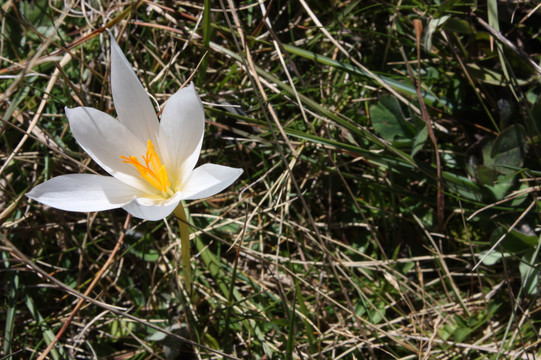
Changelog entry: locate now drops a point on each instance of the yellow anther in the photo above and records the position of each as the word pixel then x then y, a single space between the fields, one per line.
pixel 153 170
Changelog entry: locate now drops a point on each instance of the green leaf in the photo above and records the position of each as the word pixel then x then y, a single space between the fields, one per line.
pixel 529 275
pixel 150 255
pixel 160 336
pixel 508 149
pixel 462 333
pixel 446 331
pixel 515 241
pixel 376 315
pixel 521 198
pixel 492 258
pixel 485 175
pixel 530 240
pixel 388 120
pixel 47 333
pixel 10 312
pixel 536 114
pixel 432 27
pixel 487 152
pixel 502 158
pixel 493 307
pixel 457 26
pixel 419 140
pixel 137 296
pixel 501 186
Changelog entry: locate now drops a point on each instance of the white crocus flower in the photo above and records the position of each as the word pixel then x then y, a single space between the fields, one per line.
pixel 151 162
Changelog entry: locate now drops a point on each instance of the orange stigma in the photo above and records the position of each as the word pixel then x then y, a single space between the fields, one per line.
pixel 153 170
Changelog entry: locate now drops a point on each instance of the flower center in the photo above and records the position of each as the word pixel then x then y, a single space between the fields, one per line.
pixel 152 170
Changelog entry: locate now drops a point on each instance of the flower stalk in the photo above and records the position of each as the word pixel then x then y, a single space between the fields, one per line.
pixel 182 219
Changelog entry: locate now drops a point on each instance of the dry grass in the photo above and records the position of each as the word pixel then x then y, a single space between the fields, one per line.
pixel 329 246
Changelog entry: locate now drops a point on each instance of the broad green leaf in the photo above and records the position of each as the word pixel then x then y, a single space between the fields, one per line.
pixel 521 198
pixel 457 26
pixel 492 258
pixel 493 307
pixel 419 140
pixel 150 255
pixel 508 149
pixel 515 241
pixel 388 119
pixel 376 315
pixel 501 186
pixel 487 152
pixel 462 333
pixel 531 240
pixel 446 331
pixel 500 189
pixel 529 275
pixel 485 175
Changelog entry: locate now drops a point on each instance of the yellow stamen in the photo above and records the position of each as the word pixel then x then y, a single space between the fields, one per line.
pixel 153 170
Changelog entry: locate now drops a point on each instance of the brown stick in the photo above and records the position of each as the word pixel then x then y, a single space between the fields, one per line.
pixel 418 26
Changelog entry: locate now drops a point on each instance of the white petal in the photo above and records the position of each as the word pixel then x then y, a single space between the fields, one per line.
pixel 207 180
pixel 152 209
pixel 181 133
pixel 187 166
pixel 132 102
pixel 83 193
pixel 106 140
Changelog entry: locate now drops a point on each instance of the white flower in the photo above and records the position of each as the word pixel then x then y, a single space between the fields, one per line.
pixel 151 162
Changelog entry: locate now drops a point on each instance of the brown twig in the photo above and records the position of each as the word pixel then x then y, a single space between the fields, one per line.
pixel 498 35
pixel 418 26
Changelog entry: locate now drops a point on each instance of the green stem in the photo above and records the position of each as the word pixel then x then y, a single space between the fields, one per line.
pixel 180 213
